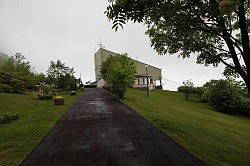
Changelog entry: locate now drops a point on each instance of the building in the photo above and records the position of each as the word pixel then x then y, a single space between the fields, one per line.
pixel 144 71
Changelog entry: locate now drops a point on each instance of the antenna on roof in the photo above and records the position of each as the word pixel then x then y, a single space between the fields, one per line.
pixel 100 44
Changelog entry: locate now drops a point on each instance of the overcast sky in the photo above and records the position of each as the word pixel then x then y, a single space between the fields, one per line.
pixel 69 30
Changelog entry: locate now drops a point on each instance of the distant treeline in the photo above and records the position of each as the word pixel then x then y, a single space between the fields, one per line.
pixel 18 76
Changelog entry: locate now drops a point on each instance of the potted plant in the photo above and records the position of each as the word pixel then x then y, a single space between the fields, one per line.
pixel 58 100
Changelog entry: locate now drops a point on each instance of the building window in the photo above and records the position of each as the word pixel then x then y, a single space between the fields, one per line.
pixel 140 81
pixel 136 81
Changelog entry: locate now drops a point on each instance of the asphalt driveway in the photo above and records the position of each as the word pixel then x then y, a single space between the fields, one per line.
pixel 98 130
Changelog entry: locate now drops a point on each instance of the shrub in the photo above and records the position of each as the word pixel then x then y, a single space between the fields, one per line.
pixel 45 91
pixel 198 90
pixel 225 96
pixel 8 117
pixel 5 88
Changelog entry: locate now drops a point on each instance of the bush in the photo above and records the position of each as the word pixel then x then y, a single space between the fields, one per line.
pixel 245 104
pixel 45 91
pixel 225 97
pixel 5 88
pixel 198 90
pixel 8 117
pixel 195 90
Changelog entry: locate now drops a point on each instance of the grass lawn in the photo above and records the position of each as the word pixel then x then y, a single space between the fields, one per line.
pixel 36 118
pixel 215 138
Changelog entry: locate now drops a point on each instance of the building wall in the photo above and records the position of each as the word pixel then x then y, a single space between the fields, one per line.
pixel 101 55
pixel 152 71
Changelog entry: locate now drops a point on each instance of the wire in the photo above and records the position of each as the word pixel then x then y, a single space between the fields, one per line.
pixel 170 84
pixel 171 81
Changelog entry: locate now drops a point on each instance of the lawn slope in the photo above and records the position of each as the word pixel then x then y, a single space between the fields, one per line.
pixel 213 137
pixel 36 118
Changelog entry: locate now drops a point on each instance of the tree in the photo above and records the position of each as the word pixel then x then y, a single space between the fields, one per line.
pixel 217 31
pixel 188 88
pixel 11 82
pixel 17 73
pixel 61 75
pixel 17 64
pixel 118 72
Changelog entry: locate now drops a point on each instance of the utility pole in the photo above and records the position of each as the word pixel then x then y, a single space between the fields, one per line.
pixel 147 78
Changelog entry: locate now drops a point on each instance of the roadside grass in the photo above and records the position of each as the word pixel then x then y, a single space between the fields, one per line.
pixel 213 137
pixel 36 118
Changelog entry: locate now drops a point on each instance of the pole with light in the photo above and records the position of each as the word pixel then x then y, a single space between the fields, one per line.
pixel 146 66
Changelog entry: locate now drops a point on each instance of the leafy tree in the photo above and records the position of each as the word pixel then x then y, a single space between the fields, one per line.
pixel 188 88
pixel 3 57
pixel 17 64
pixel 16 73
pixel 39 78
pixel 217 31
pixel 11 82
pixel 61 75
pixel 118 72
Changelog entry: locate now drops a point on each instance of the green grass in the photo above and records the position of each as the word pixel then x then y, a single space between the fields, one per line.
pixel 215 138
pixel 36 118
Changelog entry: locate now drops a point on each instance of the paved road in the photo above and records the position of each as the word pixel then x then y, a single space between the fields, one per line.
pixel 98 130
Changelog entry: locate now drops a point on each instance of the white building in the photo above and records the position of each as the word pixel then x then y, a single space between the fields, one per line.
pixel 144 71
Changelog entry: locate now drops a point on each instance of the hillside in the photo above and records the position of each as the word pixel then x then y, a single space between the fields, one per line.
pixel 3 57
pixel 213 137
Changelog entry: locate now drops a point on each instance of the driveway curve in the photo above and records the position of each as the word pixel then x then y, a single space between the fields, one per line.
pixel 98 130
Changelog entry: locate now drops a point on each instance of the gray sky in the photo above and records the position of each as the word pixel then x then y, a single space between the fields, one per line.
pixel 69 30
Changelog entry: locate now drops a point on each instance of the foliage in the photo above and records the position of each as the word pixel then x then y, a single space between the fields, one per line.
pixel 3 57
pixel 188 88
pixel 217 31
pixel 225 96
pixel 61 75
pixel 8 117
pixel 118 72
pixel 17 73
pixel 198 90
pixel 195 90
pixel 45 91
pixel 211 136
pixel 17 64
pixel 11 82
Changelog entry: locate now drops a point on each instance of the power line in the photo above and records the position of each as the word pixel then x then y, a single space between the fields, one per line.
pixel 170 84
pixel 171 81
